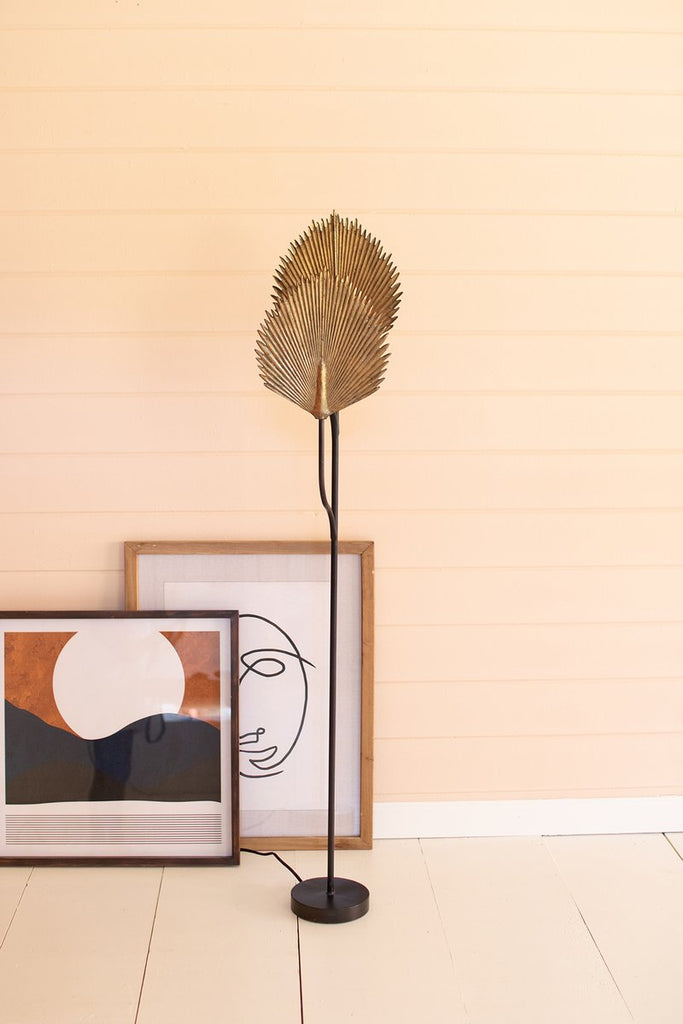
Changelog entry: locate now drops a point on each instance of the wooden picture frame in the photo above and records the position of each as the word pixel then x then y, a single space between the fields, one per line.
pixel 119 738
pixel 289 811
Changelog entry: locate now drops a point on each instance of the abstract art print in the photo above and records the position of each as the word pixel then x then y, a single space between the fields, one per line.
pixel 119 737
pixel 282 592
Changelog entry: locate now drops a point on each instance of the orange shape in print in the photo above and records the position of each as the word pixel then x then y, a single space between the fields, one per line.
pixel 30 660
pixel 199 653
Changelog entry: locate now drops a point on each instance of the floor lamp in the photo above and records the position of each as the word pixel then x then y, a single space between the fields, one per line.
pixel 322 346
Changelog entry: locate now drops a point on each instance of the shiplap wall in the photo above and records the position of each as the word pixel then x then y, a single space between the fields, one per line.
pixel 521 471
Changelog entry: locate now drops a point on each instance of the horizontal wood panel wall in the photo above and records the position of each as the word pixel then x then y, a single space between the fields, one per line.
pixel 521 471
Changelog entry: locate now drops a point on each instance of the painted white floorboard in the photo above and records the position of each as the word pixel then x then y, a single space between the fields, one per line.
pixel 392 965
pixel 75 950
pixel 630 891
pixel 12 884
pixel 224 947
pixel 517 939
pixel 565 930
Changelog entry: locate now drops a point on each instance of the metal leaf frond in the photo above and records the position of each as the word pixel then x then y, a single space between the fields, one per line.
pixel 322 346
pixel 342 248
pixel 336 297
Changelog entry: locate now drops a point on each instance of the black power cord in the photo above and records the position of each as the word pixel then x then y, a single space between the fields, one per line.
pixel 271 853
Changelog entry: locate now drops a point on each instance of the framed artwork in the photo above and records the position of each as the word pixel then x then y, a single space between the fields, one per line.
pixel 119 737
pixel 281 590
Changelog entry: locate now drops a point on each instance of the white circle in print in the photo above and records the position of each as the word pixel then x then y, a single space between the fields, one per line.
pixel 106 678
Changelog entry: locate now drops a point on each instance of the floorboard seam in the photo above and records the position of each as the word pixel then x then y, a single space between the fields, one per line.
pixel 443 931
pixel 301 973
pixel 16 909
pixel 149 948
pixel 587 927
pixel 673 846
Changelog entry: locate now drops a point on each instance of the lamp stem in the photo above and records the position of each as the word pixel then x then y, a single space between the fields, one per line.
pixel 332 509
pixel 330 900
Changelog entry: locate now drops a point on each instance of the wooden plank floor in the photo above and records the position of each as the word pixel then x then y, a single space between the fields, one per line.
pixel 392 965
pixel 630 890
pixel 582 929
pixel 76 948
pixel 517 937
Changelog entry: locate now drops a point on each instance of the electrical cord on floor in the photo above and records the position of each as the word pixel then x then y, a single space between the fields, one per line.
pixel 271 853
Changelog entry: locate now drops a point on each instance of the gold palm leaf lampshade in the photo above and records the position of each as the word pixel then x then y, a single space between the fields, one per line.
pixel 322 345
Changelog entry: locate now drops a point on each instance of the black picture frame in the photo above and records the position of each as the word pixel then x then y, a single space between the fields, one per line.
pixel 119 737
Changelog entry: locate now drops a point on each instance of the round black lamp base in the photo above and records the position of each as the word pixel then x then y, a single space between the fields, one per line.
pixel 310 901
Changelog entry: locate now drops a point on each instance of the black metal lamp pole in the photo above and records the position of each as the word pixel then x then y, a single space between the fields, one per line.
pixel 331 900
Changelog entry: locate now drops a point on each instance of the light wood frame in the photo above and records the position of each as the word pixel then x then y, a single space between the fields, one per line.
pixel 133 550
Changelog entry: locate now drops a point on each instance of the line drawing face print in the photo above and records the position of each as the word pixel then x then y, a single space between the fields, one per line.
pixel 274 688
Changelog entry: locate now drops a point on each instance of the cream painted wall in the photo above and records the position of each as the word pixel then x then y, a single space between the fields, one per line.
pixel 521 472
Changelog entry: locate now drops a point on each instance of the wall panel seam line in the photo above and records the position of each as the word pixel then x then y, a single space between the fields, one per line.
pixel 436 571
pixel 422 151
pixel 342 90
pixel 298 452
pixel 451 513
pixel 61 572
pixel 389 394
pixel 313 510
pixel 305 212
pixel 407 273
pixel 396 333
pixel 306 510
pixel 419 213
pixel 326 27
pixel 228 332
pixel 157 512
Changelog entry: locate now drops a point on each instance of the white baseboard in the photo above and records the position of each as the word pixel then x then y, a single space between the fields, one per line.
pixel 606 816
